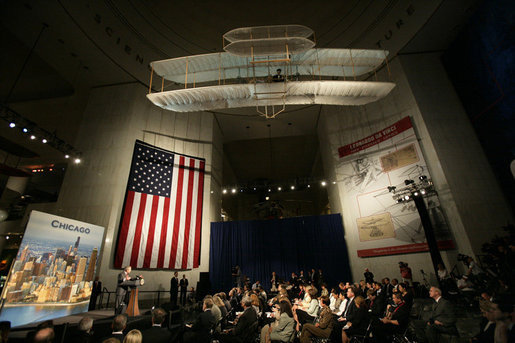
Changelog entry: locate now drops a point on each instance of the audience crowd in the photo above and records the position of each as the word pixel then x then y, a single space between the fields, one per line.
pixel 304 308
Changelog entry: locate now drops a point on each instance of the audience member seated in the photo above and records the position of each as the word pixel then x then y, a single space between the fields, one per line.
pixel 191 297
pixel 322 328
pixel 220 304
pixel 283 315
pixel 359 323
pixel 200 330
pixel 5 328
pixel 118 325
pixel 375 306
pixel 45 335
pixel 246 323
pixel 407 296
pixel 442 319
pixel 306 311
pixel 342 304
pixel 84 331
pixel 111 340
pixel 394 322
pixel 487 326
pixel 157 333
pixel 133 336
pixel 346 316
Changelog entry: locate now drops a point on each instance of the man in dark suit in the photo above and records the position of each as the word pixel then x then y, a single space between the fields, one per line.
pixel 120 303
pixel 442 320
pixel 200 330
pixel 246 326
pixel 174 289
pixel 118 325
pixel 96 290
pixel 157 333
pixel 346 316
pixel 184 288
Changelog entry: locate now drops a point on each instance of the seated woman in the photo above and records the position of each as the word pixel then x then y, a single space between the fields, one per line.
pixel 359 323
pixel 321 329
pixel 394 322
pixel 407 296
pixel 285 327
pixel 307 312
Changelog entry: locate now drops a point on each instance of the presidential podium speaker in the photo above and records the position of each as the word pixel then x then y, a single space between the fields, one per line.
pixel 132 306
pixel 127 294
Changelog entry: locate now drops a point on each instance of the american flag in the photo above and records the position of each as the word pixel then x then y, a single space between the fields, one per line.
pixel 162 215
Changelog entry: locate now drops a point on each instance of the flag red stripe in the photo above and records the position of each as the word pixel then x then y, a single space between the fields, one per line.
pixel 164 228
pixel 137 234
pixel 191 179
pixel 124 230
pixel 200 197
pixel 176 223
pixel 151 231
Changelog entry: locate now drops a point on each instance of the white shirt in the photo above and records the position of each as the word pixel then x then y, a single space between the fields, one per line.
pixel 342 307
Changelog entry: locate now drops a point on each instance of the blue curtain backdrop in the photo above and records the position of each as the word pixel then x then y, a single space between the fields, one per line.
pixel 260 247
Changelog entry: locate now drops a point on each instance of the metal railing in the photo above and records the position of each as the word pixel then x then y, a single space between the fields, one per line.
pixel 101 304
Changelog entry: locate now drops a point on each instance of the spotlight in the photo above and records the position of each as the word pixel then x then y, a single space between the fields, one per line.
pixel 391 188
pixel 406 197
pixel 44 140
pixel 254 188
pixel 334 182
pixel 269 190
pixel 309 186
pixel 6 237
pixel 423 191
pixel 241 190
pixel 12 124
pixel 415 194
pixel 292 187
pixel 323 183
pixel 422 177
pixel 32 137
pixel 233 190
pixel 408 182
pixel 224 191
pixel 212 192
pixel 267 198
pixel 77 160
pixel 399 200
pixel 34 170
pixel 25 130
pixel 66 156
pixel 279 188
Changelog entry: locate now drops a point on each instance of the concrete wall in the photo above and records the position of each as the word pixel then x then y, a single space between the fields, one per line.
pixel 94 190
pixel 449 146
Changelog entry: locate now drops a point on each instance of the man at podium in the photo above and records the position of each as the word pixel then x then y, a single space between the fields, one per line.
pixel 125 283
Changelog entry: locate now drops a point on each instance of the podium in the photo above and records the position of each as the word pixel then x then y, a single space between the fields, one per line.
pixel 133 307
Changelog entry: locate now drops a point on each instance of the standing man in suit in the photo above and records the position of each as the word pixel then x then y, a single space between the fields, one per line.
pixel 157 334
pixel 96 290
pixel 184 288
pixel 442 318
pixel 174 289
pixel 247 322
pixel 120 303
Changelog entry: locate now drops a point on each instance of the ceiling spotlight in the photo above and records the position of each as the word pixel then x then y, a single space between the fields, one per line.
pixel 32 137
pixel 212 192
pixel 241 190
pixel 44 140
pixel 391 188
pixel 334 182
pixel 399 200
pixel 66 156
pixel 269 190
pixel 309 186
pixel 12 124
pixel 323 183
pixel 25 130
pixel 224 191
pixel 279 188
pixel 6 237
pixel 415 194
pixel 77 160
pixel 292 187
pixel 254 188
pixel 423 191
pixel 233 190
pixel 406 197
pixel 267 198
pixel 422 177
pixel 408 182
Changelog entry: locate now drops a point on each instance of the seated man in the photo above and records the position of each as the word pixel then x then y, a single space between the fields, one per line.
pixel 442 320
pixel 247 322
pixel 84 333
pixel 118 325
pixel 200 330
pixel 324 326
pixel 157 333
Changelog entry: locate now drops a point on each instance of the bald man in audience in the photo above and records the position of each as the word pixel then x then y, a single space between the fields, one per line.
pixel 45 335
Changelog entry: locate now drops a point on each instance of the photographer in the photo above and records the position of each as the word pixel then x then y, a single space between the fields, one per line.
pixel 406 273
